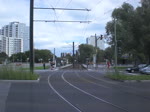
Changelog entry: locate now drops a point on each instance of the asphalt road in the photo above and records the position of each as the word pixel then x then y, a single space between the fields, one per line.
pixel 78 91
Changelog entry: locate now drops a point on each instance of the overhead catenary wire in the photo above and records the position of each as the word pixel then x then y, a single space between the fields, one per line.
pixel 61 21
pixel 63 9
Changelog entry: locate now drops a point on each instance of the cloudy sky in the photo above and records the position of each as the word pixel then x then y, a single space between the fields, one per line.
pixel 56 35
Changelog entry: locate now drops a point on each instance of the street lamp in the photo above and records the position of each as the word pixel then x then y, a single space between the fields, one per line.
pixel 115 45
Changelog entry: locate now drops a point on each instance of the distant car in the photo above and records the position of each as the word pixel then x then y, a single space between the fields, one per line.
pixel 136 69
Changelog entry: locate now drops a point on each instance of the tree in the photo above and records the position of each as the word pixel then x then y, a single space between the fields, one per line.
pixel 3 56
pixel 100 55
pixel 43 54
pixel 19 57
pixel 133 30
pixel 85 51
pixel 109 53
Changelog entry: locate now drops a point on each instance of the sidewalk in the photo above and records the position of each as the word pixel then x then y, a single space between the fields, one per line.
pixel 4 89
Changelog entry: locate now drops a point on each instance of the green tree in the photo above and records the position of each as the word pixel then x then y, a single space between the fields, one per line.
pixel 43 54
pixel 3 56
pixel 86 51
pixel 100 55
pixel 133 30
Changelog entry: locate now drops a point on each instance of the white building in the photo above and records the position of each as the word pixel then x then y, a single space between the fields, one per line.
pixel 11 45
pixel 100 42
pixel 15 45
pixel 17 30
pixel 4 44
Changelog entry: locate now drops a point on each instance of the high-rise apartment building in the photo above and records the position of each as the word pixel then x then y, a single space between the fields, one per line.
pixel 11 45
pixel 18 36
pixel 91 41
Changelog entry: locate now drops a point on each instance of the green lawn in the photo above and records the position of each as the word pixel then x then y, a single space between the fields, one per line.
pixel 36 68
pixel 120 67
pixel 127 77
pixel 10 73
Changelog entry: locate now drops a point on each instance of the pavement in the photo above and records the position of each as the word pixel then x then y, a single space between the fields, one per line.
pixel 4 90
pixel 74 91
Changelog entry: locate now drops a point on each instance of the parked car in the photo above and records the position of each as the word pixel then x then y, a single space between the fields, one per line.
pixel 136 69
pixel 145 70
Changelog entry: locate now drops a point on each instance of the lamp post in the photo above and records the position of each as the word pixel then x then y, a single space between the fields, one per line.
pixel 115 45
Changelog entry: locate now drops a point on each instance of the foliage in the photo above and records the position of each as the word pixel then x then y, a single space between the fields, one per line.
pixel 40 56
pixel 3 56
pixel 100 55
pixel 86 51
pixel 132 30
pixel 43 54
pixel 9 73
pixel 69 57
pixel 128 77
pixel 109 53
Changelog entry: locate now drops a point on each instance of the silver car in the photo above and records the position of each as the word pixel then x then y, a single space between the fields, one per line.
pixel 145 70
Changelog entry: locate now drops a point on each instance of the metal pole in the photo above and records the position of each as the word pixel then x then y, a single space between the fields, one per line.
pixel 95 51
pixel 31 37
pixel 54 60
pixel 115 45
pixel 73 54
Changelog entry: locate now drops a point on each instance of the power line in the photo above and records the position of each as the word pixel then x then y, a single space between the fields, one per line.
pixel 61 21
pixel 63 9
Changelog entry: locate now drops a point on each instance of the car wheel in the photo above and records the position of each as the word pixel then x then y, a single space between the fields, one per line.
pixel 132 71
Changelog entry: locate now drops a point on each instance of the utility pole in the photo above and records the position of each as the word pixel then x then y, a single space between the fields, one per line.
pixel 73 55
pixel 95 55
pixel 115 45
pixel 31 36
pixel 54 60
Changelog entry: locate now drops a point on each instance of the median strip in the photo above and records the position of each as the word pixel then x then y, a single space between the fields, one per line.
pixel 128 78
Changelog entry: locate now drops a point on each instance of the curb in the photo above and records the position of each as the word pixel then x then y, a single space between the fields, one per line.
pixel 21 81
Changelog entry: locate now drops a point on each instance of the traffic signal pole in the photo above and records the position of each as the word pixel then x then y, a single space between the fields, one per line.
pixel 31 36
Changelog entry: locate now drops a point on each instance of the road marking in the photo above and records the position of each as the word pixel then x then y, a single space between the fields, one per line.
pixel 91 81
pixel 93 95
pixel 61 95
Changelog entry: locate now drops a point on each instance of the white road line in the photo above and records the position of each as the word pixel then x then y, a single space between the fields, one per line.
pixel 92 81
pixel 93 95
pixel 61 95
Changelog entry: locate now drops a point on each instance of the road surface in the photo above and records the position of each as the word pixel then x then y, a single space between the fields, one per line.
pixel 78 91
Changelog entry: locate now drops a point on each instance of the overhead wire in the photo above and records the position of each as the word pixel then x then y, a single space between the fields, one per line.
pixel 59 28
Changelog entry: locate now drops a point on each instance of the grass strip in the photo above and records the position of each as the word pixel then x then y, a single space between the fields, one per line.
pixel 121 67
pixel 10 73
pixel 120 76
pixel 37 68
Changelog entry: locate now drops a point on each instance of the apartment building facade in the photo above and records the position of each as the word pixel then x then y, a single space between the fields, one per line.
pixel 92 41
pixel 11 45
pixel 16 36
